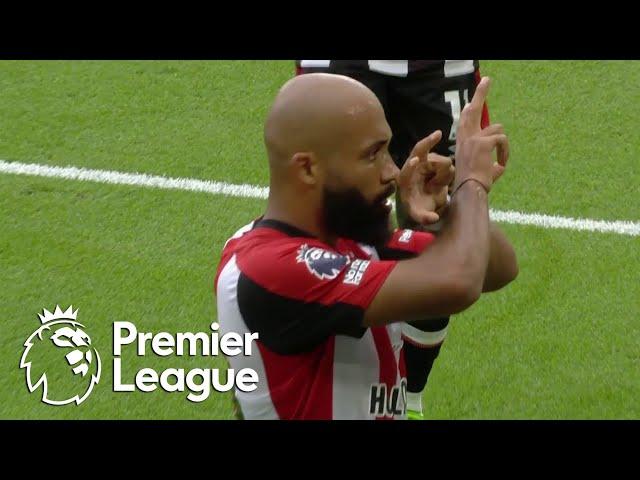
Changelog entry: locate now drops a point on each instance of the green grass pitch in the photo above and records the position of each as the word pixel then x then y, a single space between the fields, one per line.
pixel 562 342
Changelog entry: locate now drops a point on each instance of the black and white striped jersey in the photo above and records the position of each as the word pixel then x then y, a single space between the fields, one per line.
pixel 397 68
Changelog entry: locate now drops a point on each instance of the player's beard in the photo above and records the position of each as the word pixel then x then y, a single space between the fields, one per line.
pixel 348 214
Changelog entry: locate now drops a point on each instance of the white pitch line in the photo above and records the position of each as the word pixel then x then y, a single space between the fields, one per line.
pixel 253 191
pixel 568 223
pixel 137 179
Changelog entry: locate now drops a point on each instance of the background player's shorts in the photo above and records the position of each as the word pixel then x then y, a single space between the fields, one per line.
pixel 416 105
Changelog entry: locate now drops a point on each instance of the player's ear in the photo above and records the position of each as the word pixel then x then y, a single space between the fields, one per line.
pixel 306 167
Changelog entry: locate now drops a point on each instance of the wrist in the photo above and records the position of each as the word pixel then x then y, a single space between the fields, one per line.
pixel 469 181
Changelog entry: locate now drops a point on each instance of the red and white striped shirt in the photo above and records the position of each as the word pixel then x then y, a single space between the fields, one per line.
pixel 306 300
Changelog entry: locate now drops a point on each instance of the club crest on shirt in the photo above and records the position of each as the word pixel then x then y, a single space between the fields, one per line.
pixel 323 264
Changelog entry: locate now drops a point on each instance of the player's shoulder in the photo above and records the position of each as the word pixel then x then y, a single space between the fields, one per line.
pixel 270 239
pixel 270 252
pixel 235 239
pixel 230 248
pixel 254 245
pixel 268 235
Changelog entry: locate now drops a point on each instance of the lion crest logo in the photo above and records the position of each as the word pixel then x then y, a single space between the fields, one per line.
pixel 59 357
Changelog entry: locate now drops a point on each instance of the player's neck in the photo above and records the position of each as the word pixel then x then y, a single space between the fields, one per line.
pixel 299 218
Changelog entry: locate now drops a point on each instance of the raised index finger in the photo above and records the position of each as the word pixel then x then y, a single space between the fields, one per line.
pixel 424 146
pixel 480 96
pixel 471 116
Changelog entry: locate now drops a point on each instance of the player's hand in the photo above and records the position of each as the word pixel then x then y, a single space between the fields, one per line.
pixel 475 146
pixel 423 181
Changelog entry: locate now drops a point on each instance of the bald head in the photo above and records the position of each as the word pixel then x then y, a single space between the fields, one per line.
pixel 330 170
pixel 315 113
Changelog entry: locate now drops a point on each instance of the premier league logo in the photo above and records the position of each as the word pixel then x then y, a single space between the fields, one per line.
pixel 76 371
pixel 323 264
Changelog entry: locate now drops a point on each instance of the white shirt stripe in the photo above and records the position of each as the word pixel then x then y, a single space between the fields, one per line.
pixel 256 405
pixel 315 63
pixel 453 68
pixel 356 367
pixel 399 68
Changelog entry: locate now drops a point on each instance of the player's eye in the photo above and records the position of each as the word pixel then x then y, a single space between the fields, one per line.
pixel 374 153
pixel 373 156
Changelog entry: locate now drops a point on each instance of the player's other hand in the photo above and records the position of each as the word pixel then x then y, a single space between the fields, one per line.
pixel 423 181
pixel 475 146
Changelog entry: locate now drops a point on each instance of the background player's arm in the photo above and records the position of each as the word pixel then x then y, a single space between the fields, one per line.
pixel 503 264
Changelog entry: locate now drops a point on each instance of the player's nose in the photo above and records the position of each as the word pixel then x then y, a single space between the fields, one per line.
pixel 390 171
